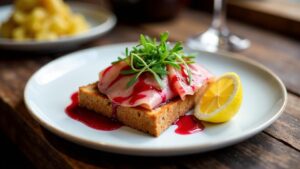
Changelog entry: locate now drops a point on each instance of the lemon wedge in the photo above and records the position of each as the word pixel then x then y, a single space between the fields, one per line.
pixel 221 100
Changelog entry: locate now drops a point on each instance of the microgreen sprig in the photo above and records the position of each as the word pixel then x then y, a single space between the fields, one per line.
pixel 153 57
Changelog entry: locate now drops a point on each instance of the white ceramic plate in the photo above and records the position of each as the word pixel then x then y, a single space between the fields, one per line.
pixel 100 20
pixel 48 91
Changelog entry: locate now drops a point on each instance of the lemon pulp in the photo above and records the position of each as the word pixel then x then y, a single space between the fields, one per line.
pixel 222 99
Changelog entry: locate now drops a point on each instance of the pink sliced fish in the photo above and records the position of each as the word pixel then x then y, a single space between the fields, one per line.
pixel 146 92
pixel 180 79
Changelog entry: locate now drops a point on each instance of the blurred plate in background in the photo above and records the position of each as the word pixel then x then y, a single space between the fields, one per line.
pixel 100 20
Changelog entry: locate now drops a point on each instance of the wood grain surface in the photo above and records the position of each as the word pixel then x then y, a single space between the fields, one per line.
pixel 282 16
pixel 276 147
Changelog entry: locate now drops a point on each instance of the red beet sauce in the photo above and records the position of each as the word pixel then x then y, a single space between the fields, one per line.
pixel 187 124
pixel 90 118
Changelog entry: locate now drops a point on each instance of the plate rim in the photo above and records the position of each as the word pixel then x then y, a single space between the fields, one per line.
pixel 161 151
pixel 95 31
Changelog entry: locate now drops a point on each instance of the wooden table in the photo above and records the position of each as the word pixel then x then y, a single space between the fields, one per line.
pixel 276 147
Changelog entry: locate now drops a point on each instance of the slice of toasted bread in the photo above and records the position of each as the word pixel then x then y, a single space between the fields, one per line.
pixel 153 121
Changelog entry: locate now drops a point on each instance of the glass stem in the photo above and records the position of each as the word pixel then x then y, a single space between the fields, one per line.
pixel 219 16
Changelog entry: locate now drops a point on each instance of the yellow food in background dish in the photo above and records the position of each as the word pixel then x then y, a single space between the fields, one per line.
pixel 42 20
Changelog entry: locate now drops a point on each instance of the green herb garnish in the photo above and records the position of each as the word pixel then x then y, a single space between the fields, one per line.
pixel 153 57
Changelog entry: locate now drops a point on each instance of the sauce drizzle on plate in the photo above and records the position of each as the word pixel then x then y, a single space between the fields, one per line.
pixel 188 124
pixel 90 118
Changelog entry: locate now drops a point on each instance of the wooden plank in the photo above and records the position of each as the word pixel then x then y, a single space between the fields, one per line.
pixel 286 128
pixel 271 7
pixel 26 134
pixel 280 54
pixel 239 156
pixel 275 15
pixel 10 153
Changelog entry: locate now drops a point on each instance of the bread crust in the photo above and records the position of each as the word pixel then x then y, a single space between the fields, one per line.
pixel 153 121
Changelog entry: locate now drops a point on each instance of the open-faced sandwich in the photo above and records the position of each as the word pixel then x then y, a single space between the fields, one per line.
pixel 148 89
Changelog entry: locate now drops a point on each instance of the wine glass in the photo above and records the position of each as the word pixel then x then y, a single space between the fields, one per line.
pixel 218 36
